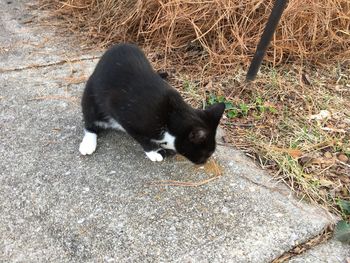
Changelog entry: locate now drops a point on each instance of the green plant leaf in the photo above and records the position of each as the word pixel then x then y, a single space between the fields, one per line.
pixel 342 231
pixel 344 206
pixel 257 116
pixel 212 99
pixel 232 113
pixel 272 109
pixel 261 109
pixel 258 101
pixel 221 99
pixel 229 105
pixel 187 85
pixel 244 108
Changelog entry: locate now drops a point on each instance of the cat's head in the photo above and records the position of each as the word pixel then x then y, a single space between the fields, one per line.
pixel 197 143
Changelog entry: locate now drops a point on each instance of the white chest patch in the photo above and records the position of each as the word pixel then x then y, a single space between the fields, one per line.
pixel 167 142
pixel 110 124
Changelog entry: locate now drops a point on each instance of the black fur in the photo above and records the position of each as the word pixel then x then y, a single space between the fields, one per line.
pixel 124 86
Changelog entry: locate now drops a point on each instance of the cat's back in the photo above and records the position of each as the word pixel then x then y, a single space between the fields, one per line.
pixel 124 82
pixel 125 58
pixel 125 71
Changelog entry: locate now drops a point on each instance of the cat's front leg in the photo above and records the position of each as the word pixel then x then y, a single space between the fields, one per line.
pixel 151 148
pixel 160 154
pixel 89 143
pixel 154 156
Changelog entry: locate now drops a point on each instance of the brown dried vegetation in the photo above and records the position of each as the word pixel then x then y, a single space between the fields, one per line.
pixel 222 32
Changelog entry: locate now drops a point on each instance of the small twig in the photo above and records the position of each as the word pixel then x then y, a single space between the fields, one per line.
pixel 241 124
pixel 28 21
pixel 71 99
pixel 73 6
pixel 76 80
pixel 184 184
pixel 225 144
pixel 333 130
pixel 325 169
pixel 345 164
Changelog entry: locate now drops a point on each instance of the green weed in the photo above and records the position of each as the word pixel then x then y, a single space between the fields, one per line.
pixel 256 108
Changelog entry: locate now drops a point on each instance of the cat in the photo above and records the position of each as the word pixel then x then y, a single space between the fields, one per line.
pixel 125 93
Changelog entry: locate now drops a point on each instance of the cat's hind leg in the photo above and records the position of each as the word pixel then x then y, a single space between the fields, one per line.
pixel 91 116
pixel 89 143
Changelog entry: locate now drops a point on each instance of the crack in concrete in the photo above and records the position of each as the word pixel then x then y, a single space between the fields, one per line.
pixel 56 63
pixel 325 234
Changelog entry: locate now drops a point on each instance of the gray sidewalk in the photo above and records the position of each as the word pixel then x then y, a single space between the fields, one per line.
pixel 58 206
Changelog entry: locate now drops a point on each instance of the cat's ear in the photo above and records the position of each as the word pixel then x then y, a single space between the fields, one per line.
pixel 215 112
pixel 197 135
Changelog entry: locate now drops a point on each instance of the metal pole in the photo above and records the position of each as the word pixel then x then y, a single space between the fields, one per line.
pixel 266 37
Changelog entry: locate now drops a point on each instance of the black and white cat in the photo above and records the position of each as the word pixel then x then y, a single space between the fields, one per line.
pixel 125 93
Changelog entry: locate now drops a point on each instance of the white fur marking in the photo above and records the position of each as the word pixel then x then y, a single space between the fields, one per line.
pixel 167 142
pixel 110 124
pixel 154 156
pixel 115 125
pixel 88 144
pixel 102 124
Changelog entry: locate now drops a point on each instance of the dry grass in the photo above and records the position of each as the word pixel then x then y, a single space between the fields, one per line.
pixel 311 156
pixel 219 32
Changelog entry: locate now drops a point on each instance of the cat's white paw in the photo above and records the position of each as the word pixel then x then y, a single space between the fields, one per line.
pixel 88 144
pixel 154 156
pixel 167 142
